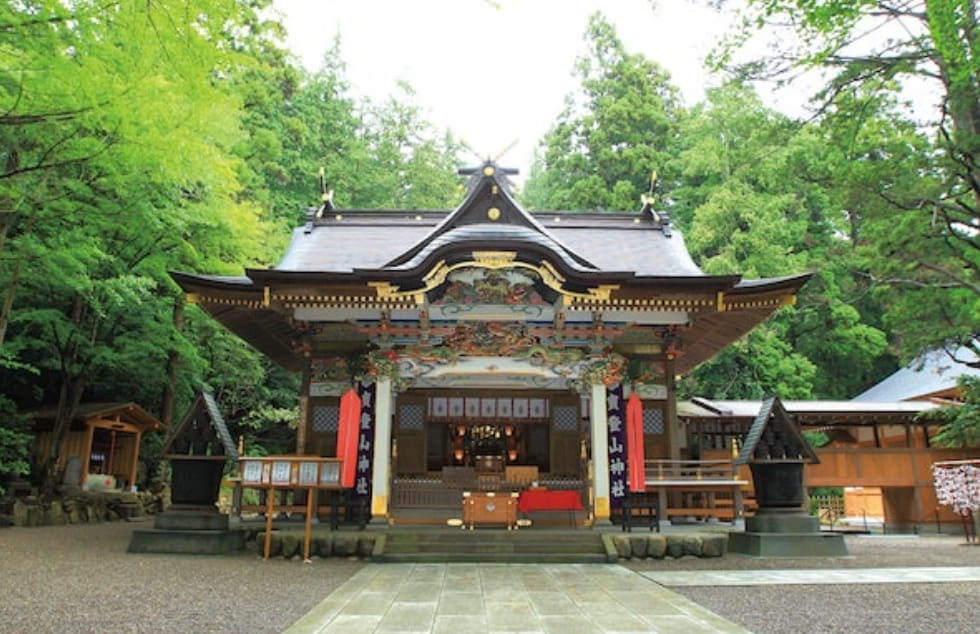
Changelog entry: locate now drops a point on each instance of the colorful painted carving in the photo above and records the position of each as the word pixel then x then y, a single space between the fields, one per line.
pixel 481 286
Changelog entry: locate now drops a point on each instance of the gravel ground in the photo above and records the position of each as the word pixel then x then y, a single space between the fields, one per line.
pixel 871 608
pixel 81 579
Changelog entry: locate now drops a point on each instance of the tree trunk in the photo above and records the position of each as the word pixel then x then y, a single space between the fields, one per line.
pixel 8 300
pixel 69 397
pixel 70 392
pixel 173 360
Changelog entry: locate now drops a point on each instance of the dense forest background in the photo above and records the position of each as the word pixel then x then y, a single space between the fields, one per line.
pixel 142 137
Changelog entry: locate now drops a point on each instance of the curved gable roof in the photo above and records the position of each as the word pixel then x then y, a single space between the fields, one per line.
pixel 488 207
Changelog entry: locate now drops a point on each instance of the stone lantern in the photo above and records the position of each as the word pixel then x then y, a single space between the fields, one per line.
pixel 776 453
pixel 198 450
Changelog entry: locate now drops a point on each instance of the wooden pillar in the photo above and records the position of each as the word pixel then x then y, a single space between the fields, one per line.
pixel 678 434
pixel 599 429
pixel 135 461
pixel 381 469
pixel 303 424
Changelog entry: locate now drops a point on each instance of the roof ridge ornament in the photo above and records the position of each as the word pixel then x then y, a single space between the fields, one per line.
pixel 326 203
pixel 648 212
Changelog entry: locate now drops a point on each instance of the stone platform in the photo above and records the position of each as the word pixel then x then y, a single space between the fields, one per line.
pixel 786 533
pixel 188 532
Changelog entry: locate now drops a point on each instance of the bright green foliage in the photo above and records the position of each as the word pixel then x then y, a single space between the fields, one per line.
pixel 372 156
pixel 117 127
pixel 755 199
pixel 759 364
pixel 138 138
pixel 411 166
pixel 618 129
pixel 962 421
pixel 258 399
pixel 923 255
pixel 15 443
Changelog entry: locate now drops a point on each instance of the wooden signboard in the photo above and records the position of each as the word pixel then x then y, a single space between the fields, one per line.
pixel 290 472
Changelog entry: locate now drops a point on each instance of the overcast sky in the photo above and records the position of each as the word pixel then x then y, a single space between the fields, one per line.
pixel 494 72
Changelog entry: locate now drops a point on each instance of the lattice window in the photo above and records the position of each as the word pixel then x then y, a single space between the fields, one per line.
pixel 326 418
pixel 411 417
pixel 566 418
pixel 653 421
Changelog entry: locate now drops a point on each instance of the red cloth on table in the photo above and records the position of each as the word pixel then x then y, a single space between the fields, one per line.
pixel 533 500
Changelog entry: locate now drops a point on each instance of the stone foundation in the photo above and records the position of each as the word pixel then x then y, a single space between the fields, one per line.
pixel 81 508
pixel 289 544
pixel 659 545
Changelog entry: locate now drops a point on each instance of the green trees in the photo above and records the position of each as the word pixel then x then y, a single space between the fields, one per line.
pixel 757 198
pixel 912 186
pixel 116 128
pixel 618 128
pixel 924 255
pixel 753 192
pixel 138 138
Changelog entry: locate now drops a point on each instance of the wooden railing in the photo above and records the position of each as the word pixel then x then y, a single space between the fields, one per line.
pixel 687 488
pixel 432 491
pixel 695 470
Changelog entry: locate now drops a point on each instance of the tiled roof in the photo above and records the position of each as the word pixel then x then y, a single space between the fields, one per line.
pixel 367 240
pixel 828 411
pixel 933 372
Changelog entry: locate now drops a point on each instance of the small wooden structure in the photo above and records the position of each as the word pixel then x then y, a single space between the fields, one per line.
pixel 198 449
pixel 102 446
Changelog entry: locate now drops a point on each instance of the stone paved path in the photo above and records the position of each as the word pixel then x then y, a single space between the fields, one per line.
pixel 473 598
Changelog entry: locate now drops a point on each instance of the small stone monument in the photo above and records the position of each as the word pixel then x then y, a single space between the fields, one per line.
pixel 776 452
pixel 198 450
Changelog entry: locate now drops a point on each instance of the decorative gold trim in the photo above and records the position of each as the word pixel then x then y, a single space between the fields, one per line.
pixel 631 303
pixel 379 505
pixel 787 300
pixel 759 303
pixel 493 213
pixel 721 301
pixel 226 301
pixel 602 508
pixel 266 293
pixel 488 171
pixel 640 348
pixel 385 290
pixel 192 298
pixel 494 259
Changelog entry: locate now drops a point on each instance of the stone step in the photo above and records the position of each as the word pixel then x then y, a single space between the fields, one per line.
pixel 512 558
pixel 494 546
pixel 542 547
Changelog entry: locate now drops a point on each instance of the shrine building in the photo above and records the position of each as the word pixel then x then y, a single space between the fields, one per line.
pixel 491 347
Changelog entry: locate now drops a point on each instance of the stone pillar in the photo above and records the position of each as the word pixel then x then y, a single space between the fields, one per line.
pixel 381 474
pixel 600 452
